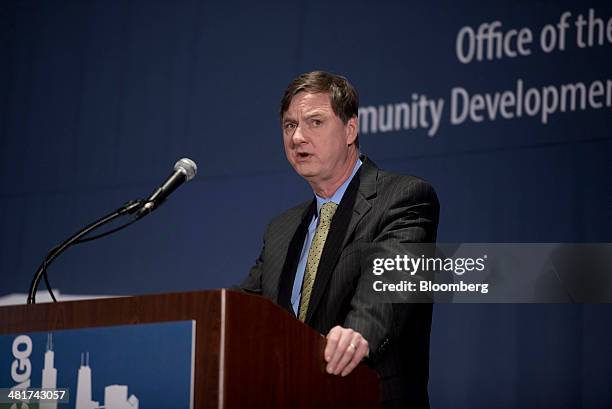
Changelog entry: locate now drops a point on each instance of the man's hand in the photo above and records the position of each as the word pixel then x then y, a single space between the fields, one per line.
pixel 344 350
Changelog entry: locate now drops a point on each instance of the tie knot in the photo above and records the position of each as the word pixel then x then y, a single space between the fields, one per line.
pixel 327 211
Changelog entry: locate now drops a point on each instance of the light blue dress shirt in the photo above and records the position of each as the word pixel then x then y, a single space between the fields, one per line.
pixel 296 294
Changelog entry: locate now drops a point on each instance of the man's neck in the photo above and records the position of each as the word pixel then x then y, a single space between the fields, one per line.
pixel 327 189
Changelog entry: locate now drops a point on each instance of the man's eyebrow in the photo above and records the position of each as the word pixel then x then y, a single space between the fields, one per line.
pixel 313 113
pixel 308 115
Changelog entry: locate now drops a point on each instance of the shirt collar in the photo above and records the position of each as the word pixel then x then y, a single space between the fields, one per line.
pixel 337 196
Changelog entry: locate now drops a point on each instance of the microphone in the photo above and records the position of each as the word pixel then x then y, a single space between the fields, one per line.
pixel 184 170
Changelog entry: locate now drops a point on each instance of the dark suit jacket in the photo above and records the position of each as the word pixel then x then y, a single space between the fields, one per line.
pixel 379 211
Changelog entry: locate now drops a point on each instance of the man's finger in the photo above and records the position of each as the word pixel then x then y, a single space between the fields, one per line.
pixel 359 354
pixel 332 342
pixel 346 335
pixel 347 356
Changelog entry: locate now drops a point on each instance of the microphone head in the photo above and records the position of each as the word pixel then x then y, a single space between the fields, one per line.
pixel 188 167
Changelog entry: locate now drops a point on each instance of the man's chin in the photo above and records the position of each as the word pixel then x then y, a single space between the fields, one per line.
pixel 305 170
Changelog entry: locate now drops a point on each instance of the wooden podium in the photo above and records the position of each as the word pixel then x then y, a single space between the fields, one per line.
pixel 249 352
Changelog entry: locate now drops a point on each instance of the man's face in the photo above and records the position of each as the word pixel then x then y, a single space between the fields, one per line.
pixel 315 139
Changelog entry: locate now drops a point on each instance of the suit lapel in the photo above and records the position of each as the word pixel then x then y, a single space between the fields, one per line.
pixel 352 209
pixel 368 175
pixel 292 260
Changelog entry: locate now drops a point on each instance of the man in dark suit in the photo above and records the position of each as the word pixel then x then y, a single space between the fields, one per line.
pixel 314 259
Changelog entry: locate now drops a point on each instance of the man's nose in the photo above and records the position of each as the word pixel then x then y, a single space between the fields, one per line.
pixel 298 135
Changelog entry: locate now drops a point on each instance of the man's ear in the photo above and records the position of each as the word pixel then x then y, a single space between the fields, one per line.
pixel 352 129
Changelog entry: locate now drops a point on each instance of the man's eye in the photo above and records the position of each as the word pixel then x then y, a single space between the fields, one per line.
pixel 316 122
pixel 289 126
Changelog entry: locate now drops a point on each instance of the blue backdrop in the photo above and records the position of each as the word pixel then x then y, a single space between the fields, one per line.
pixel 98 99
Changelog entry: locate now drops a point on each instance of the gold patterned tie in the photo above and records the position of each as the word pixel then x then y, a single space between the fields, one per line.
pixel 314 255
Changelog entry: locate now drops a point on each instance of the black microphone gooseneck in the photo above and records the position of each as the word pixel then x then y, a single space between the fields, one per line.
pixel 128 208
pixel 184 170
